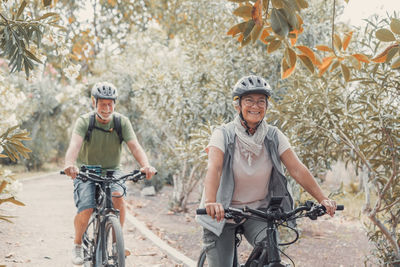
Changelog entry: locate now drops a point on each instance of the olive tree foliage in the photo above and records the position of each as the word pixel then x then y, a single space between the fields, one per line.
pixel 357 122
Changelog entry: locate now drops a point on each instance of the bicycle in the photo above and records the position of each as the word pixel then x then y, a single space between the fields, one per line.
pixel 266 253
pixel 102 242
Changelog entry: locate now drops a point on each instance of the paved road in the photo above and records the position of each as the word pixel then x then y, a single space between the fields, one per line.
pixel 42 234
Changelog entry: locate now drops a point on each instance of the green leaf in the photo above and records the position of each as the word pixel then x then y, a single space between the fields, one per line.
pixel 32 56
pixel 302 3
pixel 279 23
pixel 385 35
pixel 3 185
pixel 307 62
pixel 396 63
pixel 250 26
pixel 4 218
pixel 50 14
pixel 345 72
pixel 392 52
pixel 46 3
pixel 243 11
pixel 256 32
pixel 395 26
pixel 21 8
pixel 273 45
pixel 12 200
pixel 26 66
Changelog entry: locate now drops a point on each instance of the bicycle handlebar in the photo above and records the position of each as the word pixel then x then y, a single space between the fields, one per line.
pixel 134 176
pixel 312 211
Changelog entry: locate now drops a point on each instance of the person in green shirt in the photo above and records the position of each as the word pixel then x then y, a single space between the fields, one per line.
pixel 102 148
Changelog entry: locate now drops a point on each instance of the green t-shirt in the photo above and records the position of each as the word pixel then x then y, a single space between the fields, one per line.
pixel 104 148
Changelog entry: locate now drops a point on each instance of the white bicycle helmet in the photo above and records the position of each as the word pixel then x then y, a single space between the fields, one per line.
pixel 104 90
pixel 251 85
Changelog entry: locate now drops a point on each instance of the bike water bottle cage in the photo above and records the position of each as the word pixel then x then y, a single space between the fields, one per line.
pixel 117 127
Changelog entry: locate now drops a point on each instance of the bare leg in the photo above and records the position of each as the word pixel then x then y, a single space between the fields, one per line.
pixel 119 204
pixel 80 222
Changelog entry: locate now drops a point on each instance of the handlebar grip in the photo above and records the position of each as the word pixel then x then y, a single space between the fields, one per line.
pixel 62 172
pixel 338 207
pixel 201 212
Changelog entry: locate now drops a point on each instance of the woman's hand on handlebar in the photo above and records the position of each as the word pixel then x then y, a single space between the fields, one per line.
pixel 215 210
pixel 149 171
pixel 330 206
pixel 71 171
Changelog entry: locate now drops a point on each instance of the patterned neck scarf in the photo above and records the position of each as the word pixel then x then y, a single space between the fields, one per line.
pixel 250 145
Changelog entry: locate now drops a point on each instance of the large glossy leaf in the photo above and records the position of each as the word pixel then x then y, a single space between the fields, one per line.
pixel 395 25
pixel 279 23
pixel 307 62
pixel 256 32
pixel 396 63
pixel 238 28
pixel 274 45
pixel 385 35
pixel 345 72
pixel 346 40
pixel 243 11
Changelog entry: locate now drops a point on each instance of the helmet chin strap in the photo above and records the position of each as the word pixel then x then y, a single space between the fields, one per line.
pixel 101 117
pixel 249 130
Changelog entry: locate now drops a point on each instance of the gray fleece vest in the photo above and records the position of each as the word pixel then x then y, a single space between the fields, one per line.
pixel 278 185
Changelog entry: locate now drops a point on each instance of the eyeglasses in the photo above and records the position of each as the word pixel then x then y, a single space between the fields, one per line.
pixel 249 102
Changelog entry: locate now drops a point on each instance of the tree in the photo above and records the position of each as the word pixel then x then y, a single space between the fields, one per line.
pixel 21 36
pixel 328 119
pixel 279 23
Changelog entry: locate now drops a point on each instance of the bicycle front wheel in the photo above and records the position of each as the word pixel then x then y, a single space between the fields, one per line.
pixel 114 241
pixel 202 259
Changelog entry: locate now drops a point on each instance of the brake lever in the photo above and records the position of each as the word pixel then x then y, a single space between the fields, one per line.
pixel 316 212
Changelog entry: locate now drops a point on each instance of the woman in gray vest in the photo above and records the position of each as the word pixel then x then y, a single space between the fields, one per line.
pixel 245 159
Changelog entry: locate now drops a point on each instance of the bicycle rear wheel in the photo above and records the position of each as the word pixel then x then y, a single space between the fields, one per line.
pixel 114 241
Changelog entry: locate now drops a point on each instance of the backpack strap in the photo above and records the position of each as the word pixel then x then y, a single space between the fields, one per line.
pixel 118 127
pixel 92 118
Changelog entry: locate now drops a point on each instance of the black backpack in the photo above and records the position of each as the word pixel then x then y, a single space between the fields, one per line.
pixel 117 127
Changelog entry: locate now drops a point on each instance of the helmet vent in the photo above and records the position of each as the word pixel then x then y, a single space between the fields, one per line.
pixel 251 81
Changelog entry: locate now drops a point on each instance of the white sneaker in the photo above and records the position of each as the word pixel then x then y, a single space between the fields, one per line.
pixel 77 255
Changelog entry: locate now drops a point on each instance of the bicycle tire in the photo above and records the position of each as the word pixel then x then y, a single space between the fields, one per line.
pixel 113 234
pixel 89 242
pixel 202 259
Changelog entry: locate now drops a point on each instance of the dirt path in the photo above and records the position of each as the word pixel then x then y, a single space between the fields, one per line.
pixel 42 233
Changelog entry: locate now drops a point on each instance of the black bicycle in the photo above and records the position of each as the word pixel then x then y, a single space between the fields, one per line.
pixel 266 253
pixel 103 242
